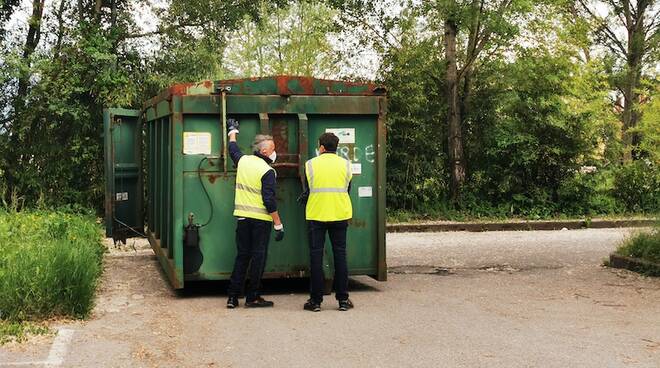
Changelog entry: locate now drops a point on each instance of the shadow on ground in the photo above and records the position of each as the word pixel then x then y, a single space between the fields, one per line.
pixel 195 289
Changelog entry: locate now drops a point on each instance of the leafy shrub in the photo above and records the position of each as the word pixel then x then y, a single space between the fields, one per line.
pixel 49 264
pixel 637 186
pixel 588 194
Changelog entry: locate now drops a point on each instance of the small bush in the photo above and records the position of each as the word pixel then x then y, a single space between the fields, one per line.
pixel 637 186
pixel 643 245
pixel 49 264
pixel 588 194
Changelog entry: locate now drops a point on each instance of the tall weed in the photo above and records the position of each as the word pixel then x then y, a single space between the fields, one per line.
pixel 50 262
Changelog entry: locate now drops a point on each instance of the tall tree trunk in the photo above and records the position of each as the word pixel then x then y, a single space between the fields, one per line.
pixel 60 27
pixel 15 138
pixel 97 11
pixel 455 137
pixel 31 42
pixel 81 11
pixel 471 54
pixel 635 52
pixel 279 44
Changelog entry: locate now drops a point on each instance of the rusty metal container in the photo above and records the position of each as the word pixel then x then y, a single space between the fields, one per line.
pixel 186 158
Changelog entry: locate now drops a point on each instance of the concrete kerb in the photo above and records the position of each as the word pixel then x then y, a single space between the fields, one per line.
pixel 517 226
pixel 634 264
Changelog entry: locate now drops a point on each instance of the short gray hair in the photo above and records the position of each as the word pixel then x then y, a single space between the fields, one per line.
pixel 261 142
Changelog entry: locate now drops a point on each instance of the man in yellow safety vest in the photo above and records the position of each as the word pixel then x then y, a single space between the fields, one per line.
pixel 328 209
pixel 256 211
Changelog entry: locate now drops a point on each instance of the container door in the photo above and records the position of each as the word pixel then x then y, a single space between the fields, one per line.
pixel 122 131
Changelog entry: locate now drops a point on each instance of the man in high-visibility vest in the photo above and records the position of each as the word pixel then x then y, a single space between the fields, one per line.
pixel 328 209
pixel 256 211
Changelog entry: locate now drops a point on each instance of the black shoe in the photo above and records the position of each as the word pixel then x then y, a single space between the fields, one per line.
pixel 259 303
pixel 345 305
pixel 232 302
pixel 313 306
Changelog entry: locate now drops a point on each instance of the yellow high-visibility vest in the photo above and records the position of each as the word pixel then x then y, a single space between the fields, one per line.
pixel 248 201
pixel 328 176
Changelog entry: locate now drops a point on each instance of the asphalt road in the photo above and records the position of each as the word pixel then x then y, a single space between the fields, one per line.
pixel 500 299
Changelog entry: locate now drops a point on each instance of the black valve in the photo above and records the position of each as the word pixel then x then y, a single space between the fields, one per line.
pixel 191 233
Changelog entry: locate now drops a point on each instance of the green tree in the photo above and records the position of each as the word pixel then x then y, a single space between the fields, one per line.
pixel 634 51
pixel 292 40
pixel 80 60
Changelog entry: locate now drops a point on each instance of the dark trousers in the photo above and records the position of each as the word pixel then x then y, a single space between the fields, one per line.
pixel 252 238
pixel 337 232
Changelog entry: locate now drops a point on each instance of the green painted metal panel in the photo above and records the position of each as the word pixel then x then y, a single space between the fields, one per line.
pixel 186 156
pixel 123 173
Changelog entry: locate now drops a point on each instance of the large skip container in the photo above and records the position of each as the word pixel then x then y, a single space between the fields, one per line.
pixel 184 153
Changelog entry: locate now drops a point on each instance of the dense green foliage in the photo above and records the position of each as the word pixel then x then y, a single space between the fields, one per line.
pixel 540 93
pixel 51 147
pixel 50 263
pixel 534 115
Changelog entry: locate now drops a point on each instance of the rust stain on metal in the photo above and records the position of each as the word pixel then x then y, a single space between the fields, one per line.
pixel 212 178
pixel 307 85
pixel 280 136
pixel 181 88
pixel 282 86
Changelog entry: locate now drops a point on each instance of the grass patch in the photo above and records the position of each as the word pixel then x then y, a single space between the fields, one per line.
pixel 50 263
pixel 643 245
pixel 19 331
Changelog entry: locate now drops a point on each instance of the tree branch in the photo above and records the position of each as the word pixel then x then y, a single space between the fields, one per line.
pixel 373 30
pixel 161 31
pixel 655 22
pixel 604 28
pixel 483 39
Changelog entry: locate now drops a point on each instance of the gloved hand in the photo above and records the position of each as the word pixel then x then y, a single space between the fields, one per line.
pixel 279 232
pixel 232 126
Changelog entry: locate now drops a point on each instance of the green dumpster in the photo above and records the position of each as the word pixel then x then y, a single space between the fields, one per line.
pixel 189 178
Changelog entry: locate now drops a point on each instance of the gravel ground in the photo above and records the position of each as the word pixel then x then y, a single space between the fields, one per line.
pixel 517 249
pixel 505 299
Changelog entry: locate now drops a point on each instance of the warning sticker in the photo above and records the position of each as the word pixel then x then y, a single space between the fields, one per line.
pixel 345 135
pixel 365 192
pixel 195 143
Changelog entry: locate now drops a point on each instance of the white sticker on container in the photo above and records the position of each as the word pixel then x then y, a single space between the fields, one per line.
pixel 345 135
pixel 122 196
pixel 365 192
pixel 195 143
pixel 356 169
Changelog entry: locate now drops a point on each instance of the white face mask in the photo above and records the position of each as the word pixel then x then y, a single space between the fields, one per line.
pixel 273 156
